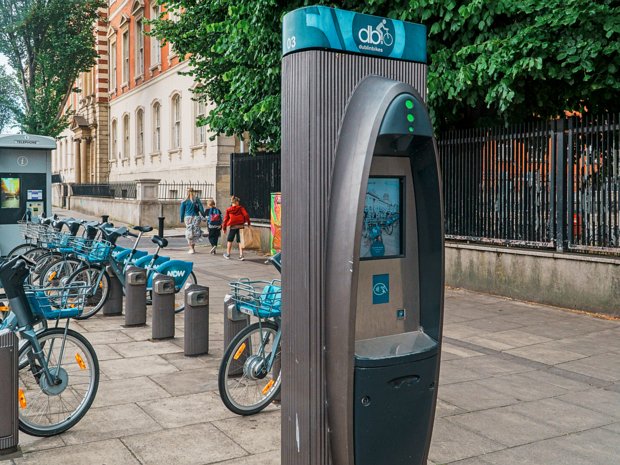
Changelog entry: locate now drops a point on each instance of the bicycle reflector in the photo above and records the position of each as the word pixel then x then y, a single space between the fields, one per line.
pixel 22 399
pixel 239 351
pixel 268 386
pixel 80 361
pixel 52 276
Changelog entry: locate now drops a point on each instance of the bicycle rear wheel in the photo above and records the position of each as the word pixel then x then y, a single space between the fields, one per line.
pixel 99 291
pixel 48 410
pixel 249 389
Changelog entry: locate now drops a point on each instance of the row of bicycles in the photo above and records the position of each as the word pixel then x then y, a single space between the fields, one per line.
pixel 62 272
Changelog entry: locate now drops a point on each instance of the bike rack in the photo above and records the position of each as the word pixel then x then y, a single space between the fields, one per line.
pixel 234 323
pixel 196 341
pixel 114 304
pixel 163 307
pixel 135 297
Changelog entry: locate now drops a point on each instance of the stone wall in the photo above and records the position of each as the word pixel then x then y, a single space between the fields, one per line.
pixel 582 282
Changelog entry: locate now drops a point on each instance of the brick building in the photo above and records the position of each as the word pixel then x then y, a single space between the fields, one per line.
pixel 82 154
pixel 147 110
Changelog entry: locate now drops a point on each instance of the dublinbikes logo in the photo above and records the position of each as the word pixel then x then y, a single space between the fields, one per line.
pixel 373 34
pixel 380 289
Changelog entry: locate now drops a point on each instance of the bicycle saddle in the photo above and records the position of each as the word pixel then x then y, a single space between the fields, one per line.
pixel 160 241
pixel 74 226
pixel 112 234
pixel 46 221
pixel 143 229
pixel 58 225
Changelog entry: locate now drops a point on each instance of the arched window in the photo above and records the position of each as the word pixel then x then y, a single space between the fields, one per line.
pixel 114 131
pixel 140 132
pixel 156 127
pixel 201 131
pixel 126 136
pixel 176 121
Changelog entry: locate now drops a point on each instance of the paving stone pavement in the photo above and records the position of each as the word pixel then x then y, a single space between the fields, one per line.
pixel 520 384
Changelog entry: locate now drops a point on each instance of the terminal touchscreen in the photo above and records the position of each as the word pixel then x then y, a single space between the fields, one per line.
pixel 382 227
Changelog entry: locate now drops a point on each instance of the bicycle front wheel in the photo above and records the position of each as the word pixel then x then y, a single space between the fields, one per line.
pixel 246 385
pixel 48 409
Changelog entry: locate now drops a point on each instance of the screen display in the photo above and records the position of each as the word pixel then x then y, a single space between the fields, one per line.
pixel 35 194
pixel 9 192
pixel 382 228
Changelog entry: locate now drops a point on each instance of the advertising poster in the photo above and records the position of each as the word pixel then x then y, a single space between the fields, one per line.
pixel 9 192
pixel 276 222
pixel 381 231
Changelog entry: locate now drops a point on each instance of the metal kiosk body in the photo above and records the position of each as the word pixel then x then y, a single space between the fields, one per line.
pixel 363 242
pixel 9 432
pixel 25 183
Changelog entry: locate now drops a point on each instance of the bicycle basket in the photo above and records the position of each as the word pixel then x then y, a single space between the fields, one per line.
pixel 92 251
pixel 32 231
pixel 58 303
pixel 262 299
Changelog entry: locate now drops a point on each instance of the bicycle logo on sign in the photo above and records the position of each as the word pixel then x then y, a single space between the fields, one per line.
pixel 380 289
pixel 376 36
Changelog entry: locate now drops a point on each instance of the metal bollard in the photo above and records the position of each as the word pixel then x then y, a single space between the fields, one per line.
pixel 234 323
pixel 114 304
pixel 163 307
pixel 135 296
pixel 9 433
pixel 196 320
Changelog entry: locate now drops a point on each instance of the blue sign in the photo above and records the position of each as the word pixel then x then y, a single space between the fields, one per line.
pixel 320 27
pixel 380 289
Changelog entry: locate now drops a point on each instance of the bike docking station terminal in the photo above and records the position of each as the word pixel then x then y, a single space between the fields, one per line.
pixel 363 258
pixel 25 183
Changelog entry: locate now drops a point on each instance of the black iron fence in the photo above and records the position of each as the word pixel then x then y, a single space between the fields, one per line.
pixel 253 178
pixel 178 190
pixel 127 190
pixel 543 184
pixel 113 190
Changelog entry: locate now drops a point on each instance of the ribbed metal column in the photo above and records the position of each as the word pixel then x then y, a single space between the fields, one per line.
pixel 9 433
pixel 316 86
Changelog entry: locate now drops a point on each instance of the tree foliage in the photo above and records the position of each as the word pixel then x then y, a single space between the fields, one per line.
pixel 9 99
pixel 507 60
pixel 48 43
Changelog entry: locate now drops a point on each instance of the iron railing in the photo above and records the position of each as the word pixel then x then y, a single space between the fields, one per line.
pixel 113 190
pixel 178 190
pixel 253 178
pixel 542 184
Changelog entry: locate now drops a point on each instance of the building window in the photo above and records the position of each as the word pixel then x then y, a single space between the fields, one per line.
pixel 176 121
pixel 155 45
pixel 114 131
pixel 140 132
pixel 126 57
pixel 139 47
pixel 156 127
pixel 113 66
pixel 126 136
pixel 201 131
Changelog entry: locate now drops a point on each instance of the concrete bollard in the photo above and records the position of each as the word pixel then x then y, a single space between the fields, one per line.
pixel 196 320
pixel 114 304
pixel 135 296
pixel 9 432
pixel 163 307
pixel 234 323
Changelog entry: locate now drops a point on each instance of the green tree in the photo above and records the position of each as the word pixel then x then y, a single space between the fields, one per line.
pixel 9 99
pixel 507 60
pixel 48 43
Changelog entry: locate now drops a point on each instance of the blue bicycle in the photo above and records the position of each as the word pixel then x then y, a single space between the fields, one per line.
pixel 58 367
pixel 249 377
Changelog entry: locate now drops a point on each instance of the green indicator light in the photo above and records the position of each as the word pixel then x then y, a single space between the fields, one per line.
pixel 410 118
pixel 410 129
pixel 409 104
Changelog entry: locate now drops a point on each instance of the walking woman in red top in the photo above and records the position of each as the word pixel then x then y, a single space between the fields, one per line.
pixel 235 218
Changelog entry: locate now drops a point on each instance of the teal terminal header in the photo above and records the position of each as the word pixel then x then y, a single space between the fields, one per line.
pixel 320 27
